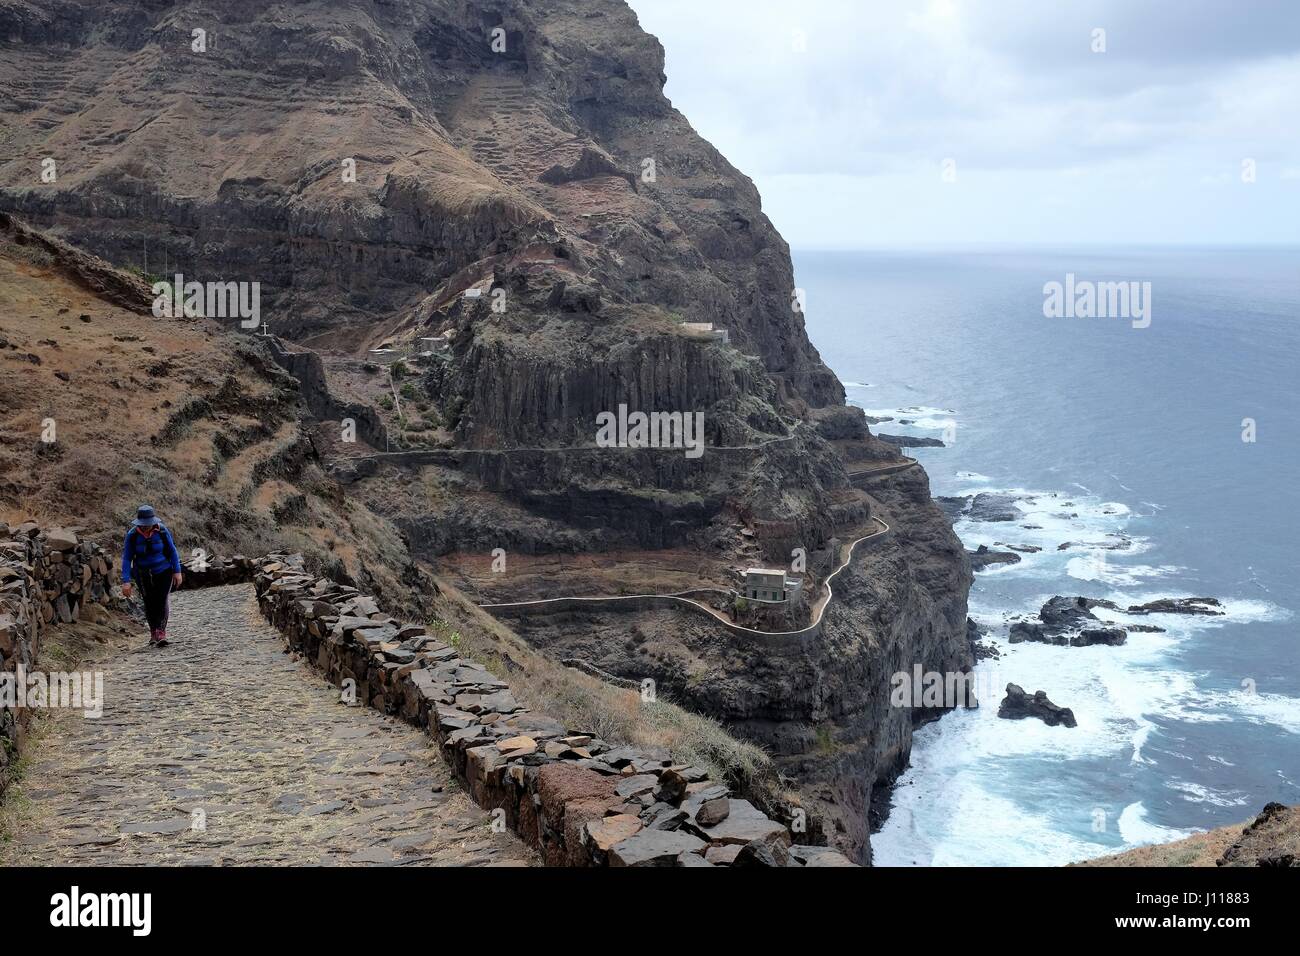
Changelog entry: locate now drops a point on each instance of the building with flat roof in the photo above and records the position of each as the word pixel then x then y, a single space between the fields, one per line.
pixel 771 585
pixel 706 330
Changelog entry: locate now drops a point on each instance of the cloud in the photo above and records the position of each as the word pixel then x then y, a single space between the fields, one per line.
pixel 1010 89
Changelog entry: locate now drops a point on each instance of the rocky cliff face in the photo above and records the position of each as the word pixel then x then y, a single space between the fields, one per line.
pixel 227 163
pixel 508 175
pixel 821 707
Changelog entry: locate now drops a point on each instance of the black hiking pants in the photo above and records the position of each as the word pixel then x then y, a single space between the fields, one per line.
pixel 155 591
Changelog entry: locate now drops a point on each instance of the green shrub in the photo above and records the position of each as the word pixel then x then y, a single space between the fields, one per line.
pixel 825 739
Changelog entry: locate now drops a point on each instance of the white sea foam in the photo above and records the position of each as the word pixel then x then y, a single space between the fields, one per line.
pixel 1094 568
pixel 1115 478
pixel 1100 544
pixel 1137 830
pixel 921 417
pixel 952 808
pixel 1276 710
pixel 1196 793
pixel 1240 610
pixel 957 806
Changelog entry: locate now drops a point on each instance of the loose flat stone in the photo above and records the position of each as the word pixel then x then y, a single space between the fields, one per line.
pixel 723 855
pixel 654 848
pixel 178 825
pixel 517 746
pixel 605 833
pixel 692 859
pixel 744 822
pixel 90 840
pixel 636 785
pixel 374 854
pixel 702 795
pixel 329 806
pixel 290 803
pixel 713 812
pixel 820 856
pixel 413 840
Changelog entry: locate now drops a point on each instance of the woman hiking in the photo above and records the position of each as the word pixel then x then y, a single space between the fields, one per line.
pixel 150 558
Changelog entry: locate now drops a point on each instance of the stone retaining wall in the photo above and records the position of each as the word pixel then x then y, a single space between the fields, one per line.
pixel 650 602
pixel 862 479
pixel 50 577
pixel 591 670
pixel 579 800
pixel 46 577
pixel 689 601
pixel 216 571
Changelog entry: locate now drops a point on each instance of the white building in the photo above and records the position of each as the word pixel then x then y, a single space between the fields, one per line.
pixel 770 585
pixel 707 331
pixel 439 343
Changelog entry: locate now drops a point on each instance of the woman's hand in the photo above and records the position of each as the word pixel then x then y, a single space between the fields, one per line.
pixel 126 589
pixel 176 579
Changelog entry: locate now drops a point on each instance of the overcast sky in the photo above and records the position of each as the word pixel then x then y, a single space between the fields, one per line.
pixel 844 112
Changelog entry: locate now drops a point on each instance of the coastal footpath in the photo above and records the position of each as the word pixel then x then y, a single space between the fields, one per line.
pixel 574 798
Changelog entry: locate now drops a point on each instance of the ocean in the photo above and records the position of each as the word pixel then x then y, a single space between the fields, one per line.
pixel 1125 442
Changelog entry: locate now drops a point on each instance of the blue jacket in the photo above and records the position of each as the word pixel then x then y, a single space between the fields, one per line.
pixel 151 555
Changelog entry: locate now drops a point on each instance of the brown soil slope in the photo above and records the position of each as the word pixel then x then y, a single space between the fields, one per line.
pixel 102 406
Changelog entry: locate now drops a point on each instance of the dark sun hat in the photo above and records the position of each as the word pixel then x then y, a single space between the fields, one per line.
pixel 145 516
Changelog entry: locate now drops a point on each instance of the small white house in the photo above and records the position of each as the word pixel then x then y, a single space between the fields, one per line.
pixel 438 343
pixel 770 585
pixel 705 330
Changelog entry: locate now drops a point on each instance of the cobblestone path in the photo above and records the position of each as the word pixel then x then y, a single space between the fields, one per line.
pixel 220 749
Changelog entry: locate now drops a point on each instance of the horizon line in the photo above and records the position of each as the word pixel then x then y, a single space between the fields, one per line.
pixel 978 245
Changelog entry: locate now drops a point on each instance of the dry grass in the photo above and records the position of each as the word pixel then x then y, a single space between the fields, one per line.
pixel 109 385
pixel 1201 849
pixel 607 572
pixel 179 413
pixel 584 703
pixel 1272 838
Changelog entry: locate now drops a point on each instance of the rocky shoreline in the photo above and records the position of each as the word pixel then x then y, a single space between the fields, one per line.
pixel 1069 622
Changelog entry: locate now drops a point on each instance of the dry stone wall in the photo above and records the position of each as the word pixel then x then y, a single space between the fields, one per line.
pixel 47 577
pixel 52 576
pixel 578 799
